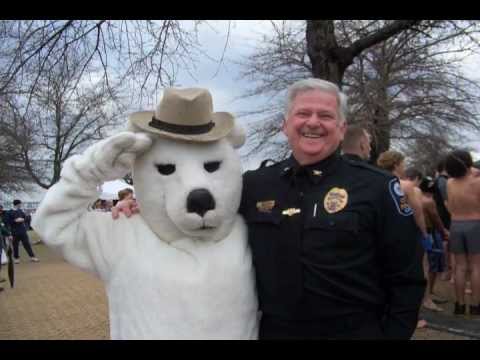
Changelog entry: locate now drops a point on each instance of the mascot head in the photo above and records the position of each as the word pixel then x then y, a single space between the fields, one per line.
pixel 189 183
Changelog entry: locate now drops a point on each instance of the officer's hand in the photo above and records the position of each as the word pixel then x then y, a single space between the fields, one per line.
pixel 128 207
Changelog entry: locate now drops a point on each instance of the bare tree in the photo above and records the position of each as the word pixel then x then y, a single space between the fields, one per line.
pixel 425 153
pixel 13 176
pixel 60 118
pixel 411 88
pixel 147 51
pixel 330 58
pixel 393 57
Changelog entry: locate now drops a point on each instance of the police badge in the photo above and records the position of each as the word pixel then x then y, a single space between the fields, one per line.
pixel 335 200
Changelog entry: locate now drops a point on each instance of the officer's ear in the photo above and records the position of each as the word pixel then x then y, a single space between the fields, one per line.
pixel 342 126
pixel 284 125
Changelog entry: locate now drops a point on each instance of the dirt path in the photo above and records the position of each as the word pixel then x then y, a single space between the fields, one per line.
pixel 53 300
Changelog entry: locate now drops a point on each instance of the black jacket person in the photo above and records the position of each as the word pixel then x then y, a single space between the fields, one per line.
pixel 334 244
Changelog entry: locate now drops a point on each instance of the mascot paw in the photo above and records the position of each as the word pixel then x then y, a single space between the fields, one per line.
pixel 113 157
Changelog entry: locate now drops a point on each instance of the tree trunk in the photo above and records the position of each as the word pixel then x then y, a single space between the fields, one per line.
pixel 329 61
pixel 381 133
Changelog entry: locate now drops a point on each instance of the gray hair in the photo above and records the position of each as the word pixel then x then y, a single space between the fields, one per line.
pixel 317 84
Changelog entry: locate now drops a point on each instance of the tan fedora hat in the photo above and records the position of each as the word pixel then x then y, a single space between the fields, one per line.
pixel 185 114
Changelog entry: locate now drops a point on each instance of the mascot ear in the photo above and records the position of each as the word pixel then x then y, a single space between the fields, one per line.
pixel 237 136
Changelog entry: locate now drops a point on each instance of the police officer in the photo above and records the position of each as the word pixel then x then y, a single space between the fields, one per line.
pixel 334 243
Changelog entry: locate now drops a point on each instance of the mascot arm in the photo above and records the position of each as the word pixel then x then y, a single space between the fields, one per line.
pixel 63 221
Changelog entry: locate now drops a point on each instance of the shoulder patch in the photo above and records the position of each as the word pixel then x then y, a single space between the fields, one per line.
pixel 399 198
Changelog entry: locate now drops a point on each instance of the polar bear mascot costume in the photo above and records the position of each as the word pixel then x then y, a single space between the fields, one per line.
pixel 182 268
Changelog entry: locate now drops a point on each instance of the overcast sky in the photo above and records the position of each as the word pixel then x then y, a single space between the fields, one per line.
pixel 226 86
pixel 224 82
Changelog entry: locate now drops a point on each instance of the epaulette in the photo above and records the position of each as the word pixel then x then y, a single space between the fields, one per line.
pixel 365 165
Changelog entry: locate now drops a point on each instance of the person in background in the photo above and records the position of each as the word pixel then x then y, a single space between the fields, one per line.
pixel 125 194
pixel 438 233
pixel 440 198
pixel 356 143
pixel 16 221
pixel 463 203
pixel 108 205
pixel 415 177
pixel 5 236
pixel 3 216
pixel 126 204
pixel 394 162
pixel 100 205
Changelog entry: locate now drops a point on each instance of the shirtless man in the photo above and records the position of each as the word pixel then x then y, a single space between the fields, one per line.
pixel 435 255
pixel 463 194
pixel 394 162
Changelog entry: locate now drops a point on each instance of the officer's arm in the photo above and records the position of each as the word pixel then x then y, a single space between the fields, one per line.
pixel 400 255
pixel 431 210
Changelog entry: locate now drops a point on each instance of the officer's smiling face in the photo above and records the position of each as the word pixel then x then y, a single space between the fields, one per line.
pixel 313 126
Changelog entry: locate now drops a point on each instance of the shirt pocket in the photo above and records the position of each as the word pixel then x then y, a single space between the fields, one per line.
pixel 264 234
pixel 332 236
pixel 272 217
pixel 340 222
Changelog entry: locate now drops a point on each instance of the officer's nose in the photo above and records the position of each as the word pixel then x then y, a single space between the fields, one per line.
pixel 199 201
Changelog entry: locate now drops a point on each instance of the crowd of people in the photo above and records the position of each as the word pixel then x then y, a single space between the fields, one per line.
pixel 102 205
pixel 452 252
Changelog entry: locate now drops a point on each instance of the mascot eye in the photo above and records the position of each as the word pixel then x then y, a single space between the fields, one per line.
pixel 166 169
pixel 211 166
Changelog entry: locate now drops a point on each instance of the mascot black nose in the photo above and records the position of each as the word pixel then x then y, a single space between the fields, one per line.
pixel 200 201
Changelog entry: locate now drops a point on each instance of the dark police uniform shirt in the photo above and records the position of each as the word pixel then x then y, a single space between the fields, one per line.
pixel 353 157
pixel 333 239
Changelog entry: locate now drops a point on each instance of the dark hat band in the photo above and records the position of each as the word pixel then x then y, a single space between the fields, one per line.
pixel 181 129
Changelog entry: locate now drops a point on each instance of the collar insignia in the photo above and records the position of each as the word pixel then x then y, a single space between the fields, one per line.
pixel 291 211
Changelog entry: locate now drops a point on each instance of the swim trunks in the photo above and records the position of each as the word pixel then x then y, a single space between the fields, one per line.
pixel 436 255
pixel 465 237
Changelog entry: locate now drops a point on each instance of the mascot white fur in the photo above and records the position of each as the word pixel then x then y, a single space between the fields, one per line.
pixel 182 268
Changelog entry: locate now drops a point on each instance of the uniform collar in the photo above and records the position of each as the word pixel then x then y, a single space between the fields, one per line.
pixel 353 157
pixel 314 172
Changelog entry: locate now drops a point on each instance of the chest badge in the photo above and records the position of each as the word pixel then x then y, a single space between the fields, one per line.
pixel 291 211
pixel 265 206
pixel 335 200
